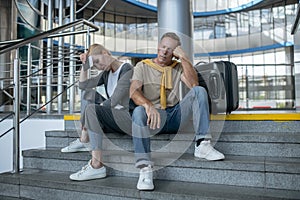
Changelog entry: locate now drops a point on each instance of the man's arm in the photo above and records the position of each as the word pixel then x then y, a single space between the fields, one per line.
pixel 189 76
pixel 136 94
pixel 83 74
pixel 84 81
pixel 139 99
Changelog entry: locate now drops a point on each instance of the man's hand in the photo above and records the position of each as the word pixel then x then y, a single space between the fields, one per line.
pixel 136 94
pixel 178 53
pixel 153 120
pixel 189 76
pixel 83 57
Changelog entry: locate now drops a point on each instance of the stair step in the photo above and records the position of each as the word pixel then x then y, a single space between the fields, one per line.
pixel 44 184
pixel 12 198
pixel 275 144
pixel 255 122
pixel 268 172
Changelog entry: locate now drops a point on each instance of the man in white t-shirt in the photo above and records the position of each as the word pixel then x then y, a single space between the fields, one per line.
pixel 99 114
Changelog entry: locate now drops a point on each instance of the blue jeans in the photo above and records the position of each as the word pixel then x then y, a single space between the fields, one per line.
pixel 194 105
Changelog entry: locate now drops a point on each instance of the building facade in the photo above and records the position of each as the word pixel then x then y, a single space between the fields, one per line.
pixel 256 35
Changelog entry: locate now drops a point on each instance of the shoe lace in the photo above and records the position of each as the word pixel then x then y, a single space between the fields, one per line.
pixel 74 142
pixel 83 169
pixel 146 175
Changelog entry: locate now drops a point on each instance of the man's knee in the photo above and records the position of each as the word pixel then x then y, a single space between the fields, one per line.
pixel 90 108
pixel 139 115
pixel 200 93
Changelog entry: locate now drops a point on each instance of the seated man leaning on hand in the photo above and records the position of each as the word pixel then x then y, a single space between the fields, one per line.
pixel 111 115
pixel 155 90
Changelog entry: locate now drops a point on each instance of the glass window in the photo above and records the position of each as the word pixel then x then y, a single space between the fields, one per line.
pixel 270 70
pixel 254 21
pixel 269 58
pixel 142 38
pixel 222 4
pixel 258 59
pixel 199 6
pixel 120 34
pixel 280 56
pixel 219 30
pixel 152 38
pixel 247 59
pixel 243 23
pixel 152 2
pixel 211 5
pixel 131 34
pixel 231 25
pixel 266 19
pixel 110 36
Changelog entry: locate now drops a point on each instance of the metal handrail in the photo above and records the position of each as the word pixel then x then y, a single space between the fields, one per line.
pixel 50 34
pixel 35 10
pixel 64 30
pixel 9 42
pixel 99 10
pixel 24 19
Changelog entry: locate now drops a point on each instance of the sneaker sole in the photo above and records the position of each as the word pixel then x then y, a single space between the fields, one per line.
pixel 145 189
pixel 89 178
pixel 205 159
pixel 75 150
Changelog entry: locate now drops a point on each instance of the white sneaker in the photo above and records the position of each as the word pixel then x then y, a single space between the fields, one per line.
pixel 146 179
pixel 88 173
pixel 206 151
pixel 76 146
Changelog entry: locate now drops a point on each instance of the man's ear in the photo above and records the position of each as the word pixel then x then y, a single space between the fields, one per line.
pixel 104 52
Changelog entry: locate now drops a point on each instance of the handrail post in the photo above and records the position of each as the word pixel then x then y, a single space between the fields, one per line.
pixel 88 38
pixel 38 77
pixel 87 45
pixel 49 61
pixel 60 64
pixel 29 67
pixel 16 121
pixel 72 59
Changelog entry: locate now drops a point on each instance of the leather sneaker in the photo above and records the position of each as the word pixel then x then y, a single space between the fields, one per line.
pixel 206 151
pixel 146 179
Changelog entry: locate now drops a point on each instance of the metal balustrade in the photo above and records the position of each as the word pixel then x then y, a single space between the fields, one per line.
pixel 37 71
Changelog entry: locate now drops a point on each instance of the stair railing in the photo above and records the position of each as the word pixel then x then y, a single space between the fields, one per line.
pixel 8 46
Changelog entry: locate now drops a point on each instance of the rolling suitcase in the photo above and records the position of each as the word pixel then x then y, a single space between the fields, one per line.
pixel 220 79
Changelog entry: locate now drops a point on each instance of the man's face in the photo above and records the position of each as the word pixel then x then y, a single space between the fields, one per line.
pixel 165 50
pixel 103 61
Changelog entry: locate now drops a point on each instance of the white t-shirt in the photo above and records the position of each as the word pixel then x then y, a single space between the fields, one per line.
pixel 113 80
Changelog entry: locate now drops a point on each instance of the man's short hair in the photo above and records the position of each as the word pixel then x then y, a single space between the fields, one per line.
pixel 95 49
pixel 173 36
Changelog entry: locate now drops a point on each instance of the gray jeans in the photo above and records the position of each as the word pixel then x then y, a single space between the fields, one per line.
pixel 103 119
pixel 89 96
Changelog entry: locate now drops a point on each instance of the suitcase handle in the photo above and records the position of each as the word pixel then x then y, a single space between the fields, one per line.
pixel 214 83
pixel 224 95
pixel 201 63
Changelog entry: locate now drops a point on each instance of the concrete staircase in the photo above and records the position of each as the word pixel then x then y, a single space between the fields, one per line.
pixel 262 162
